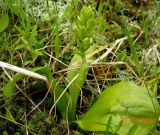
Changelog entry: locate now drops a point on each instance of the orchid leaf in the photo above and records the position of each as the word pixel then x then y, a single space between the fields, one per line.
pixel 126 102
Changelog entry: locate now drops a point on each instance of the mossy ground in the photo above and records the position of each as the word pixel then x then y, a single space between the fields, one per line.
pixel 29 41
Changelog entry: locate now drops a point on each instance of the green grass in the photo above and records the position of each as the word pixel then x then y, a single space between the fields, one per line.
pixel 79 48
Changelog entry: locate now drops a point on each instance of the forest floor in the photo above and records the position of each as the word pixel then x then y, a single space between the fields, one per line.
pixel 76 50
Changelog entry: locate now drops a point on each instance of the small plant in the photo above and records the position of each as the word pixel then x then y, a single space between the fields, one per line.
pixel 72 58
pixel 84 31
pixel 29 42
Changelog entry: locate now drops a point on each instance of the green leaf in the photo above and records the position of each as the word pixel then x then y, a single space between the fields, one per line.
pixel 4 21
pixel 33 33
pixel 46 71
pixel 17 133
pixel 8 89
pixel 74 64
pixel 76 86
pixel 10 86
pixel 21 46
pixel 37 53
pixel 5 133
pixel 134 105
pixel 57 90
pixel 9 115
pixel 28 62
pixel 132 131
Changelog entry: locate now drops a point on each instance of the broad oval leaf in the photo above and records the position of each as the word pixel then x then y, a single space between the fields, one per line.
pixel 4 21
pixel 134 106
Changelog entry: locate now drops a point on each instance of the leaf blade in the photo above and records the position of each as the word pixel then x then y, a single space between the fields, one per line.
pixel 127 100
pixel 4 21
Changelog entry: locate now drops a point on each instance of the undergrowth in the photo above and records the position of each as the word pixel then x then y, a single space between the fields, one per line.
pixel 82 47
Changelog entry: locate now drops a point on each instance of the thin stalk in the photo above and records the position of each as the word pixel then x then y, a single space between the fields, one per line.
pixel 57 40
